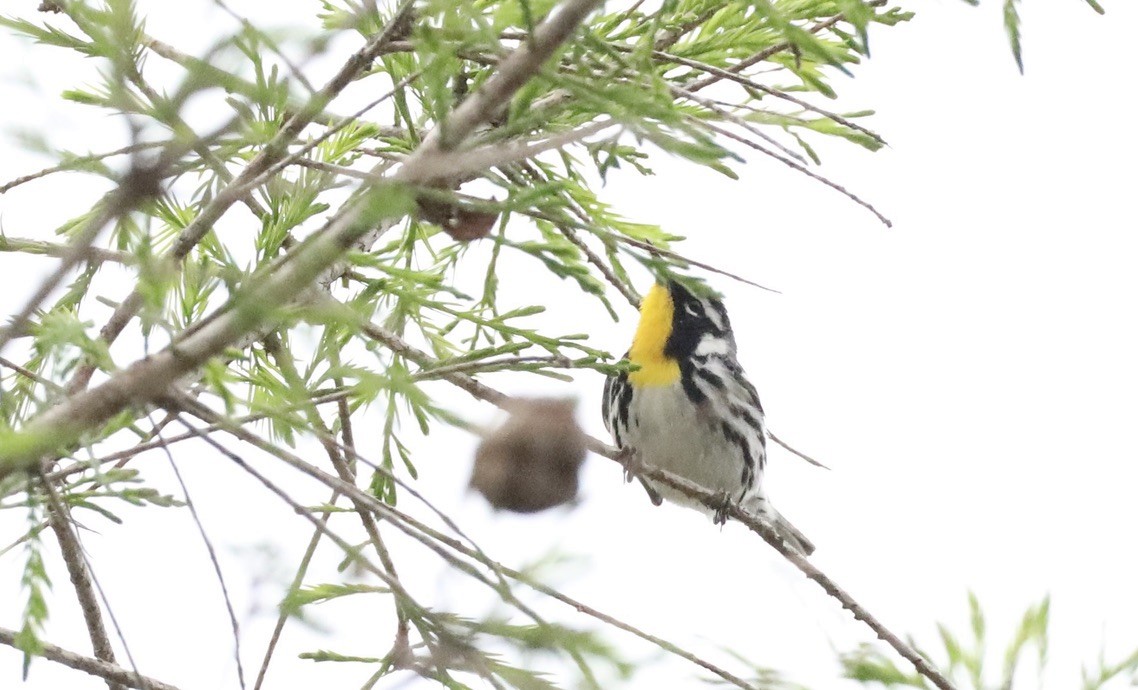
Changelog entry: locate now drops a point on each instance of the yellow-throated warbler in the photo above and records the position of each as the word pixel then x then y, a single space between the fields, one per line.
pixel 689 407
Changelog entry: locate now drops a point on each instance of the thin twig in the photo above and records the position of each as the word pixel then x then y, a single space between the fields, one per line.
pixel 272 152
pixel 59 517
pixel 147 379
pixel 123 455
pixel 805 171
pixel 773 50
pixel 95 667
pixel 292 377
pixel 403 521
pixel 297 582
pixel 659 251
pixel 707 497
pixel 234 626
pixel 750 83
pixel 794 451
pixel 72 163
pixel 571 234
pixel 92 255
pixel 734 119
pixel 486 365
pixel 268 40
pixel 31 375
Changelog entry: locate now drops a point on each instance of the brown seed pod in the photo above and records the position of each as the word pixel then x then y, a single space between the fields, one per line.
pixel 461 222
pixel 530 463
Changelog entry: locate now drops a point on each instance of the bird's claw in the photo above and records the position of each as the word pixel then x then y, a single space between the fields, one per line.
pixel 631 463
pixel 721 504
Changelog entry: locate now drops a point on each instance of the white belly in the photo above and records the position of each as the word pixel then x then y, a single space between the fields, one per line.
pixel 671 433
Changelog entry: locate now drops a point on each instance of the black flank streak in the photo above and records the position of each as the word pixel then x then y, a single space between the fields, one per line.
pixel 735 438
pixel 748 476
pixel 687 378
pixel 745 413
pixel 731 435
pixel 712 378
pixel 606 400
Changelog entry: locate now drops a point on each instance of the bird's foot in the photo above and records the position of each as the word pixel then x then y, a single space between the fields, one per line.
pixel 721 505
pixel 630 461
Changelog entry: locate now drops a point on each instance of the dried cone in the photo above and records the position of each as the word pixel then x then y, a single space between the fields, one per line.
pixel 530 463
pixel 461 223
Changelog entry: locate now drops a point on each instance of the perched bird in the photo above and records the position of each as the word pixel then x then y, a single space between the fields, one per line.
pixel 689 407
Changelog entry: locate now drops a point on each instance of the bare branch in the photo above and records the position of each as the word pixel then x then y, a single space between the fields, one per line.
pixel 795 452
pixel 212 552
pixel 91 255
pixel 432 538
pixel 74 162
pixel 59 517
pixel 709 498
pixel 512 73
pixel 805 171
pixel 297 582
pixel 102 669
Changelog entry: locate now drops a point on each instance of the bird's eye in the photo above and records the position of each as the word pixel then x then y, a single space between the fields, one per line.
pixel 691 309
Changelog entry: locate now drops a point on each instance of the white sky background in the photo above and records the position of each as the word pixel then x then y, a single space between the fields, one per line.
pixel 969 375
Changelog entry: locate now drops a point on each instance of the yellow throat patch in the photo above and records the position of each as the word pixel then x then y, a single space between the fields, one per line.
pixel 647 351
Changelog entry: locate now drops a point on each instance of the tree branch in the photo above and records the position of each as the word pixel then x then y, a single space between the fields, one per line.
pixel 249 310
pixel 709 498
pixel 773 50
pixel 59 517
pixel 274 151
pixel 102 669
pixel 428 537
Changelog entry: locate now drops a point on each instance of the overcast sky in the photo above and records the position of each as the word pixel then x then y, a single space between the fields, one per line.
pixel 969 375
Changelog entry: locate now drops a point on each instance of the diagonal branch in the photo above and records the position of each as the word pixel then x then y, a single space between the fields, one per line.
pixel 101 669
pixel 434 540
pixel 774 50
pixel 709 498
pixel 804 170
pixel 273 152
pixel 250 309
pixel 59 517
pixel 513 72
pixel 293 378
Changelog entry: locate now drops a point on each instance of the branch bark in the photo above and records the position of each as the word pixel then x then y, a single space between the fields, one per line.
pixel 709 498
pixel 274 151
pixel 112 673
pixel 149 378
pixel 59 517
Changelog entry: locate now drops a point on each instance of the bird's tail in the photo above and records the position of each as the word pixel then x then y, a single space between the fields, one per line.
pixel 791 535
pixel 760 506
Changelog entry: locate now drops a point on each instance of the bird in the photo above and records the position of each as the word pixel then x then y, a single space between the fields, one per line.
pixel 687 407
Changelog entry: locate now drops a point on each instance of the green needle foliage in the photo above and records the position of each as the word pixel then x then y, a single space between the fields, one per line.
pixel 188 219
pixel 977 662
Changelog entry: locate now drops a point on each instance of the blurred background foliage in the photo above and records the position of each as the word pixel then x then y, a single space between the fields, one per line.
pixel 273 158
